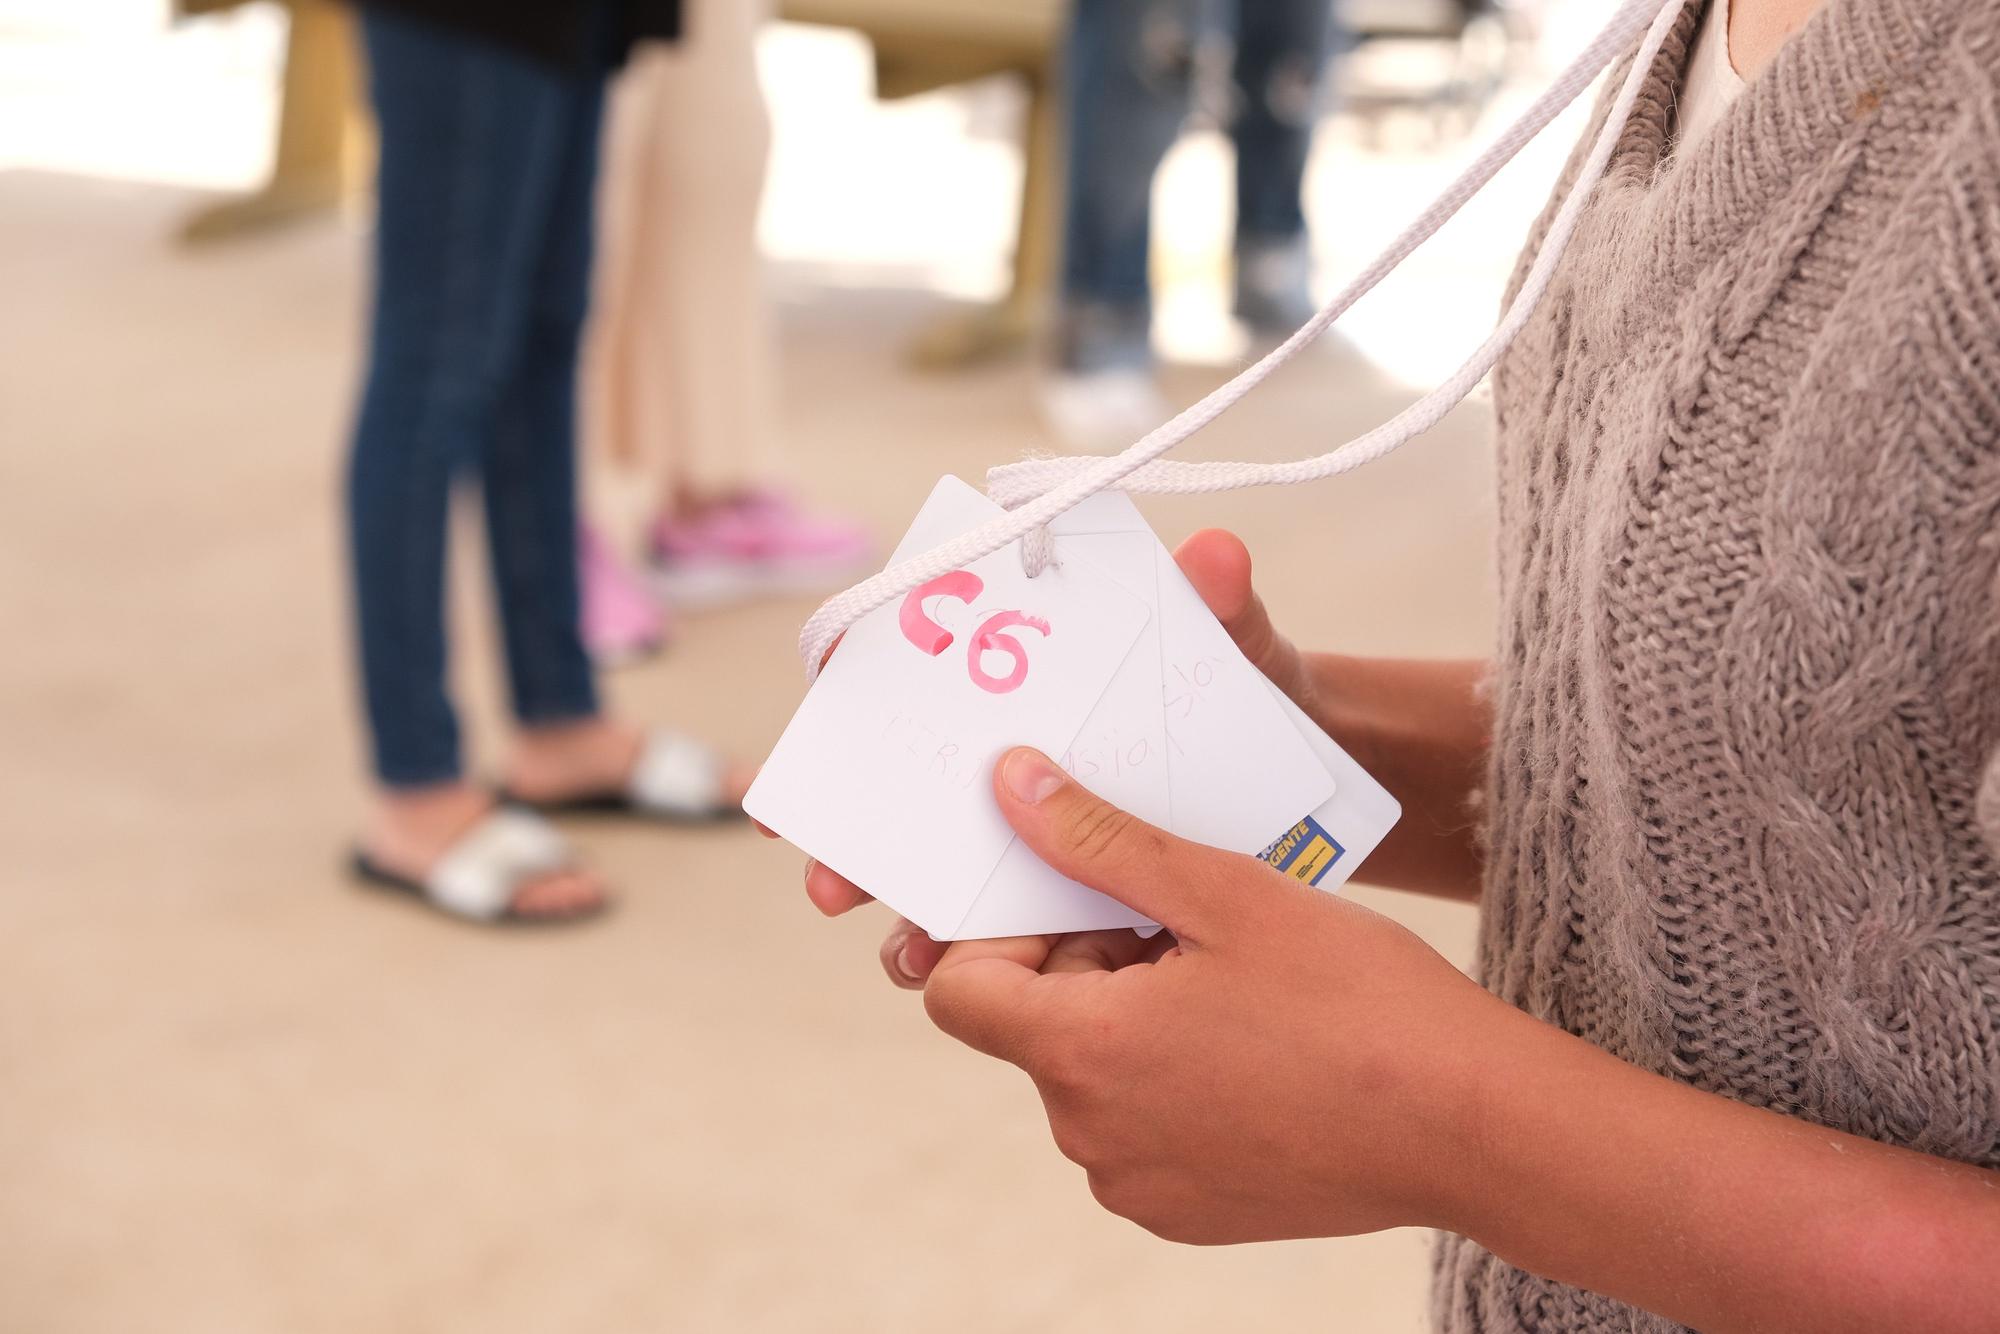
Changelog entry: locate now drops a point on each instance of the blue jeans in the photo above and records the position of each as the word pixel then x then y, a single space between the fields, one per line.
pixel 482 268
pixel 1129 82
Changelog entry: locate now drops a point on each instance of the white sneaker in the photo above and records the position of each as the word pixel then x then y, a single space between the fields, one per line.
pixel 1098 412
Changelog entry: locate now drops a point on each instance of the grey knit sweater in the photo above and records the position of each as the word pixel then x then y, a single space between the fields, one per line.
pixel 1743 814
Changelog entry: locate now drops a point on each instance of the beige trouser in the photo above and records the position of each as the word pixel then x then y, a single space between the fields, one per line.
pixel 679 370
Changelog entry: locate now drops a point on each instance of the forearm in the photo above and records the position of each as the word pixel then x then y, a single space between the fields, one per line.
pixel 1422 728
pixel 1581 1168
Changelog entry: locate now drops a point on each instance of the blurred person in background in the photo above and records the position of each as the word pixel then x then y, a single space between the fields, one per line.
pixel 1130 79
pixel 489 117
pixel 680 361
pixel 1727 794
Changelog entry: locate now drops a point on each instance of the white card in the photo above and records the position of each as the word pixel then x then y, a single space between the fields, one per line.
pixel 1184 732
pixel 1239 772
pixel 884 774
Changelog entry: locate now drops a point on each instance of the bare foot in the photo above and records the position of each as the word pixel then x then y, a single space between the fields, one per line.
pixel 411 830
pixel 560 761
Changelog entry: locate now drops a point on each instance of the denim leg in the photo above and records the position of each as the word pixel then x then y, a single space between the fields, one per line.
pixel 1282 47
pixel 468 156
pixel 530 467
pixel 1129 79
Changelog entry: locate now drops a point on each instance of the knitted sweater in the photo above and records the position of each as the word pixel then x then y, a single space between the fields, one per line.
pixel 1743 810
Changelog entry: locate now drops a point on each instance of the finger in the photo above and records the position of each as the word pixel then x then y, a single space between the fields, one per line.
pixel 1096 951
pixel 1179 884
pixel 982 993
pixel 763 828
pixel 1218 565
pixel 831 892
pixel 909 955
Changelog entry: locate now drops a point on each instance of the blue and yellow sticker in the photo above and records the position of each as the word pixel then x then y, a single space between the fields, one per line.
pixel 1306 852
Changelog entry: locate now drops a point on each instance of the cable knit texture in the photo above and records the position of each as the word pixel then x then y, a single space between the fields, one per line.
pixel 1744 803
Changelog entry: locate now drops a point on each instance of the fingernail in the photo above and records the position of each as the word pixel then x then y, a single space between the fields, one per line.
pixel 895 958
pixel 811 866
pixel 1031 776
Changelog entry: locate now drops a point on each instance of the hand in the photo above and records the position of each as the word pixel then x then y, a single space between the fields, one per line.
pixel 1218 565
pixel 1291 1065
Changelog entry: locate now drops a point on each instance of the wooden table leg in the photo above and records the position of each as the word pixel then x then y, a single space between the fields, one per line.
pixel 323 142
pixel 1004 328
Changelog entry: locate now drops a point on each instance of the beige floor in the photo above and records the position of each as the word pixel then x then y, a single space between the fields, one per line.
pixel 238 1095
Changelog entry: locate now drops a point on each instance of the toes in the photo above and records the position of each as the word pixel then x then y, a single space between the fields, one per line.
pixel 560 894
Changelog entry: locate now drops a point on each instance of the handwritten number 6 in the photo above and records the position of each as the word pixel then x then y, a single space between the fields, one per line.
pixel 989 636
pixel 933 639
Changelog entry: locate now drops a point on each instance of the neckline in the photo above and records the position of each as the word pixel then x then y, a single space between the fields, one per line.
pixel 1718 13
pixel 1709 83
pixel 1832 74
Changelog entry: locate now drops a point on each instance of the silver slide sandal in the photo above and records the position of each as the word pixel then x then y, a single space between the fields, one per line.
pixel 676 779
pixel 479 875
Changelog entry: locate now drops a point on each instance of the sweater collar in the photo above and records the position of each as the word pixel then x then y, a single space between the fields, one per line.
pixel 1802 114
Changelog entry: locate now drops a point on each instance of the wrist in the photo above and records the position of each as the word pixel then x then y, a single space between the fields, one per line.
pixel 1544 1136
pixel 1481 1106
pixel 1339 700
pixel 1421 729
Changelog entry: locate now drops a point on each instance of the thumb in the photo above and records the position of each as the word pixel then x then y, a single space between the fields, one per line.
pixel 1217 565
pixel 1183 886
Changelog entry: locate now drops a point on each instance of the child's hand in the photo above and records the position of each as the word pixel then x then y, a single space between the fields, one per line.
pixel 1284 1064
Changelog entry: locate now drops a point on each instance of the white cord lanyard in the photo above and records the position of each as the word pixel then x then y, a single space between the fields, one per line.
pixel 1036 491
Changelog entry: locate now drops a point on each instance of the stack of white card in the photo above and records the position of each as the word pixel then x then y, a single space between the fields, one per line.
pixel 1108 662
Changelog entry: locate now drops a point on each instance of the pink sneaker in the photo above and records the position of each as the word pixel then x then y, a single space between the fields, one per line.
pixel 754 545
pixel 622 621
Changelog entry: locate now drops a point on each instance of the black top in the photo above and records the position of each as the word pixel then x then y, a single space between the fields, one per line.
pixel 569 33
